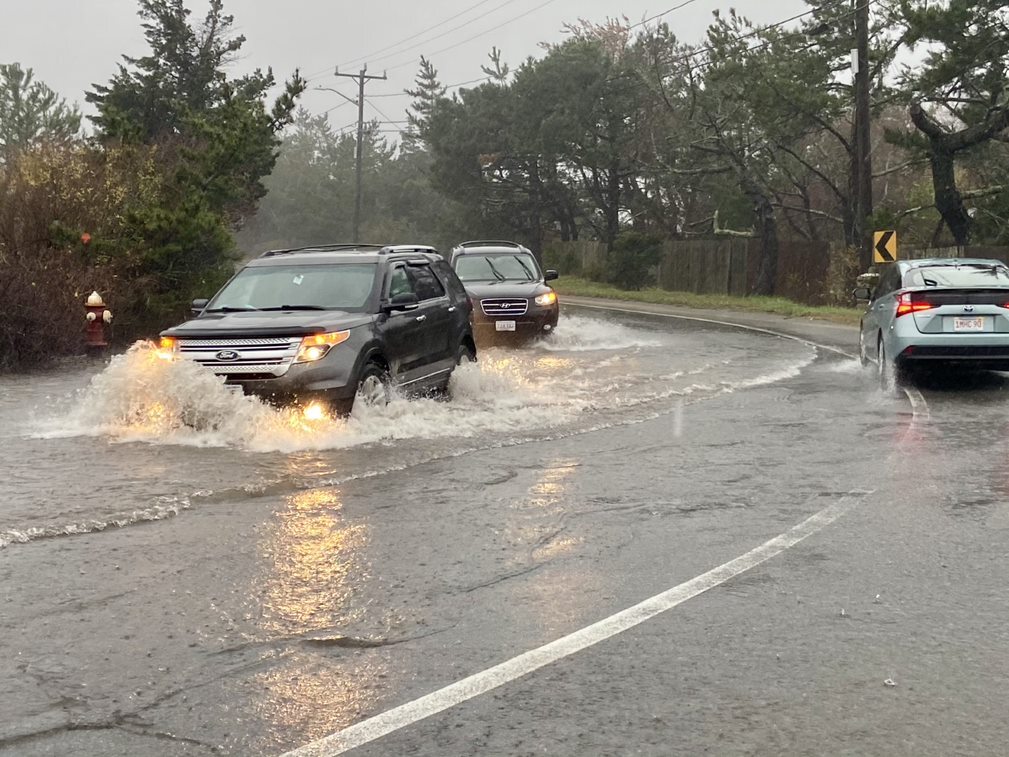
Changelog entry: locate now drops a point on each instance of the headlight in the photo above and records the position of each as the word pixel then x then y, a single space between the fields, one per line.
pixel 315 347
pixel 548 298
pixel 168 348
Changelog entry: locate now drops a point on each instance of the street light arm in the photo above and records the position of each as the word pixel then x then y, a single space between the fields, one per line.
pixel 351 100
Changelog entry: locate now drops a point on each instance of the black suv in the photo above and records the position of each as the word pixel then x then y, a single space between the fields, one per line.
pixel 511 299
pixel 323 323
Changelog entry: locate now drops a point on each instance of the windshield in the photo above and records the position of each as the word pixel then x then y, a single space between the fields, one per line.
pixel 958 276
pixel 497 268
pixel 297 287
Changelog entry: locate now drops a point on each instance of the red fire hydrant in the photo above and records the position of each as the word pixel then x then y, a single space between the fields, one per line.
pixel 97 317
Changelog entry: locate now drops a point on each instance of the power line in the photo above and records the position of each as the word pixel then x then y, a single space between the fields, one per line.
pixel 392 47
pixel 476 36
pixel 660 15
pixel 446 86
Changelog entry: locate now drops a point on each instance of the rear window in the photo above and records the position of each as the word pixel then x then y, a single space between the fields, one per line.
pixel 958 276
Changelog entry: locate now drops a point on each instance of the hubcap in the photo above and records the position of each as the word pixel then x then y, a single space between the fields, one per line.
pixel 372 391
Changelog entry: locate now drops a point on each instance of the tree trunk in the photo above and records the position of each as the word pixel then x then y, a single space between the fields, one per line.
pixel 948 200
pixel 767 273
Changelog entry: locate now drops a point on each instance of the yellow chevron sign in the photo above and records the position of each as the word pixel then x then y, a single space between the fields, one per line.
pixel 884 246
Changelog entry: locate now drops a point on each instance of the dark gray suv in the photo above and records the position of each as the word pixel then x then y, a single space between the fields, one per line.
pixel 331 322
pixel 511 298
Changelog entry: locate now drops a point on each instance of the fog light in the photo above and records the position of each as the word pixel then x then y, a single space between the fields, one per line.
pixel 316 411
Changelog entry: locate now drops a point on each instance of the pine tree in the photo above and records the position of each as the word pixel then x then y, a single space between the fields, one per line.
pixel 30 112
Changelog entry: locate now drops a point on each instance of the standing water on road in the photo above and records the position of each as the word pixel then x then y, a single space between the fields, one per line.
pixel 142 438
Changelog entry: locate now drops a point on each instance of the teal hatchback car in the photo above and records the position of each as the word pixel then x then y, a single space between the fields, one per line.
pixel 951 311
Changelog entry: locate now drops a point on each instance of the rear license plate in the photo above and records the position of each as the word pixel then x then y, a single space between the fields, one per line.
pixel 968 324
pixel 504 325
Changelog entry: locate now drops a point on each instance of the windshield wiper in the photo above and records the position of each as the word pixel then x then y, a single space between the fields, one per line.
pixel 494 270
pixel 296 307
pixel 230 309
pixel 525 268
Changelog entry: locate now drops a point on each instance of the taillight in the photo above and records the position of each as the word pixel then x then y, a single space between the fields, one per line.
pixel 905 305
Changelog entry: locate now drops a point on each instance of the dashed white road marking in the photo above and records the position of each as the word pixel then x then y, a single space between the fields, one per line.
pixel 373 728
pixel 407 714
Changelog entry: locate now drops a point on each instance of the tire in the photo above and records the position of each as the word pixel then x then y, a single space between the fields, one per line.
pixel 888 372
pixel 863 357
pixel 373 388
pixel 465 354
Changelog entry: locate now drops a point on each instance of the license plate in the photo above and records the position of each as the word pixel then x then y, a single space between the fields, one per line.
pixel 968 324
pixel 504 325
pixel 234 388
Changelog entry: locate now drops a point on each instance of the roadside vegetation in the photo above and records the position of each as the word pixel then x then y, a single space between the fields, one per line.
pixel 620 132
pixel 579 287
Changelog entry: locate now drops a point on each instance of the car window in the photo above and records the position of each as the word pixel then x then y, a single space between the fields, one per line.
pixel 449 279
pixel 426 283
pixel 337 287
pixel 889 281
pixel 959 276
pixel 399 282
pixel 499 267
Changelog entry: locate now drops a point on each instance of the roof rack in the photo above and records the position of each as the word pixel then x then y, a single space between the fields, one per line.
pixel 324 248
pixel 391 248
pixel 489 243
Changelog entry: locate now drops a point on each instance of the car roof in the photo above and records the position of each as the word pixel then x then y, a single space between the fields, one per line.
pixel 344 253
pixel 907 265
pixel 483 246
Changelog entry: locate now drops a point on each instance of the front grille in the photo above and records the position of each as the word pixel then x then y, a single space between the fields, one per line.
pixel 504 307
pixel 267 356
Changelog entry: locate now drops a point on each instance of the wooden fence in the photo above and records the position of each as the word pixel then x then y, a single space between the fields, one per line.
pixel 729 266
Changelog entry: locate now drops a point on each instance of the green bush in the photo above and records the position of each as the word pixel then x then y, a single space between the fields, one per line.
pixel 633 259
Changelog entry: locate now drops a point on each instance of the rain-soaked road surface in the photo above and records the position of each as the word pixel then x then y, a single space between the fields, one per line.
pixel 185 572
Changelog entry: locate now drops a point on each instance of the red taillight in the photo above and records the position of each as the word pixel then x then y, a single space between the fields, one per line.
pixel 905 306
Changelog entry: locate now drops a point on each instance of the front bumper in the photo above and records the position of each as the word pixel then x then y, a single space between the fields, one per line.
pixel 534 323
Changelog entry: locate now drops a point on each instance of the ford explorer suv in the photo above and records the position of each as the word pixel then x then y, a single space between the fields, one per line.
pixel 324 324
pixel 511 299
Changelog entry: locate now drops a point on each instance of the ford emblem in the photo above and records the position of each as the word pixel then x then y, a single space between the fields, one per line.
pixel 227 355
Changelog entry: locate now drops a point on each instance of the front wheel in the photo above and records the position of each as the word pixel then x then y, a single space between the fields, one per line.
pixel 373 388
pixel 465 354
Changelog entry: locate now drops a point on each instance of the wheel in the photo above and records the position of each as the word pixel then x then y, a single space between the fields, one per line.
pixel 863 356
pixel 465 354
pixel 887 371
pixel 373 388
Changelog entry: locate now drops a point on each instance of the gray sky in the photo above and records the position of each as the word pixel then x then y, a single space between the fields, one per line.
pixel 72 44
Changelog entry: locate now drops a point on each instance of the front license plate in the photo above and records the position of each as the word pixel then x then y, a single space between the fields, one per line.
pixel 968 324
pixel 504 325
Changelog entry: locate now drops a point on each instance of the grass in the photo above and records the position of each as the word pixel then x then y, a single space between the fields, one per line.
pixel 578 287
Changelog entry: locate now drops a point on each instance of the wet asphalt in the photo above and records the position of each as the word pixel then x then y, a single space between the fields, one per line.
pixel 257 621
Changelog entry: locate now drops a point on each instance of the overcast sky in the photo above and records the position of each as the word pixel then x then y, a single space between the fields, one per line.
pixel 72 44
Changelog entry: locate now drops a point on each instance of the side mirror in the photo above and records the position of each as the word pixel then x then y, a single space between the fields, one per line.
pixel 404 301
pixel 862 294
pixel 550 275
pixel 198 306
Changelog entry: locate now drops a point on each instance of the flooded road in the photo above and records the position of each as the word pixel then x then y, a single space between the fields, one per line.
pixel 187 572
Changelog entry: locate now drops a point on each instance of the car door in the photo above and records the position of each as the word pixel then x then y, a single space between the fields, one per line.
pixel 434 309
pixel 405 331
pixel 879 315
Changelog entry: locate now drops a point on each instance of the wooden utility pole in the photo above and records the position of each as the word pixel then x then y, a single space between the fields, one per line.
pixel 362 77
pixel 861 168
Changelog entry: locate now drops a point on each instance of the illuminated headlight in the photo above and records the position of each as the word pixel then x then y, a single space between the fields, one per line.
pixel 548 298
pixel 315 347
pixel 168 348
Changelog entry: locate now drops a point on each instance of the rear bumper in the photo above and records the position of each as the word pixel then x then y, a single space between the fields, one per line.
pixel 994 357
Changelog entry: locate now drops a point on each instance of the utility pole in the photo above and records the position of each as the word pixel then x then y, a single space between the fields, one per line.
pixel 862 159
pixel 362 77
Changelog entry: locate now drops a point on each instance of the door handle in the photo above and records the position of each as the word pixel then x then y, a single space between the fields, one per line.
pixel 452 309
pixel 421 318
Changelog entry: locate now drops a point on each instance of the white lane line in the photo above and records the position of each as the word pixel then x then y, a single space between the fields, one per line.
pixel 919 407
pixel 407 714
